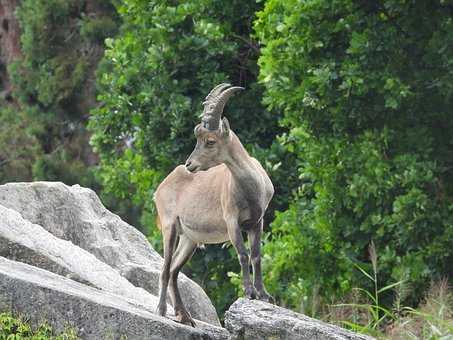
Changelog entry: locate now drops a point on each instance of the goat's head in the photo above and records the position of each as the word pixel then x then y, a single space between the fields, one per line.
pixel 213 133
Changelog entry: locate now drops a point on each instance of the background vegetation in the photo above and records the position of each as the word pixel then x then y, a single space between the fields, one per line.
pixel 348 106
pixel 12 327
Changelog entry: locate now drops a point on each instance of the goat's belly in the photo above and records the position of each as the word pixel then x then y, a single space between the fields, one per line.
pixel 205 234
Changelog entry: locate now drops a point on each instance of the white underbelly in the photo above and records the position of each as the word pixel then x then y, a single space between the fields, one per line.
pixel 205 235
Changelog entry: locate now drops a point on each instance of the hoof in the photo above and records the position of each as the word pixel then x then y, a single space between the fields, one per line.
pixel 263 296
pixel 250 293
pixel 161 310
pixel 185 318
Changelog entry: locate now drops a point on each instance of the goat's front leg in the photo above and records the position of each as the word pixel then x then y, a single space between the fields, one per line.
pixel 169 236
pixel 255 253
pixel 237 240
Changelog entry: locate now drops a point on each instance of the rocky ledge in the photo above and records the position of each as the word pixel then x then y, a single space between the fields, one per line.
pixel 67 260
pixel 252 319
pixel 76 215
pixel 95 314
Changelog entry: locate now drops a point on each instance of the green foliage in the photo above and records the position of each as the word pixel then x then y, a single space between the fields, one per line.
pixel 12 328
pixel 158 72
pixel 52 91
pixel 97 29
pixel 432 319
pixel 51 70
pixel 376 313
pixel 19 146
pixel 365 92
pixel 153 80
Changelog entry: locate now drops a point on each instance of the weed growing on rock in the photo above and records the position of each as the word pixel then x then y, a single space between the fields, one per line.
pixel 12 327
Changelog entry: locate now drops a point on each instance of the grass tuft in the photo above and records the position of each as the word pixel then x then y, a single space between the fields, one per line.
pixel 432 320
pixel 12 327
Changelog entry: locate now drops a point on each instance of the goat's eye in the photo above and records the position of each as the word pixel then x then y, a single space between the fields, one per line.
pixel 210 142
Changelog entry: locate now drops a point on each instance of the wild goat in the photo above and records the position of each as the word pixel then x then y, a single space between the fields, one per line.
pixel 220 192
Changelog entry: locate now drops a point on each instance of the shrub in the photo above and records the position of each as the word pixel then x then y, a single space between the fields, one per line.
pixel 12 327
pixel 97 29
pixel 365 93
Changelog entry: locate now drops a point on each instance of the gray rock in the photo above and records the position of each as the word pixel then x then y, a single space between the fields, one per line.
pixel 23 241
pixel 94 314
pixel 76 214
pixel 253 319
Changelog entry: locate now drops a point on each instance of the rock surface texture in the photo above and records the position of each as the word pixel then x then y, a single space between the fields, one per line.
pixel 76 214
pixel 247 320
pixel 23 241
pixel 66 260
pixel 62 302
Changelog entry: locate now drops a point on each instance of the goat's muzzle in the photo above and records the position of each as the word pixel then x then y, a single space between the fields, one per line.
pixel 190 166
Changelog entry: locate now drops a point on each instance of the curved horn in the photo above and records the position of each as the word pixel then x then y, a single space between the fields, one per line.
pixel 214 104
pixel 216 90
pixel 224 96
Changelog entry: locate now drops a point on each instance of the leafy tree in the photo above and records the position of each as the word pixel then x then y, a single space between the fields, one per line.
pixel 152 83
pixel 366 91
pixel 61 43
pixel 19 147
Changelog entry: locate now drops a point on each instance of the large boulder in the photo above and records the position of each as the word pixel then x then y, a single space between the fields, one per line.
pixel 90 264
pixel 253 319
pixel 76 214
pixel 43 296
pixel 23 241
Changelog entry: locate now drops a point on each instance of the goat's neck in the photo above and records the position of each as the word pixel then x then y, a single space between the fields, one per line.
pixel 243 169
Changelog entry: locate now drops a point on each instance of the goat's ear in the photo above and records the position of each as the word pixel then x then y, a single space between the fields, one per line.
pixel 225 127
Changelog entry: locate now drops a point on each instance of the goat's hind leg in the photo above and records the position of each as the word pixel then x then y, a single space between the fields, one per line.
pixel 169 235
pixel 185 250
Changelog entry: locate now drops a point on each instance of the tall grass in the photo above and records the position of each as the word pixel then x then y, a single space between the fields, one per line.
pixel 432 320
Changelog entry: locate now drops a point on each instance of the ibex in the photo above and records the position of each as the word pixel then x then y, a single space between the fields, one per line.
pixel 220 192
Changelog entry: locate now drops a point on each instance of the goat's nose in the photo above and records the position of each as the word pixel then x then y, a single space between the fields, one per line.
pixel 188 163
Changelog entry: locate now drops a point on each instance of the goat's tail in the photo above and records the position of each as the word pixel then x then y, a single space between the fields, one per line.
pixel 159 225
